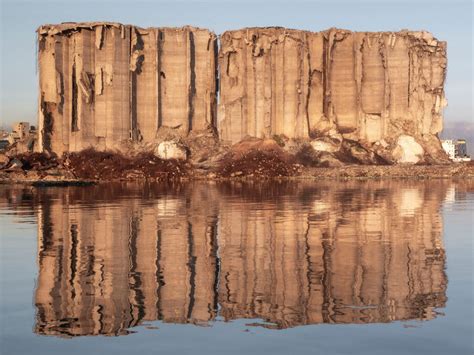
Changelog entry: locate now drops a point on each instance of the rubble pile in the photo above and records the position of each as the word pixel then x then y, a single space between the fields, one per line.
pixel 259 159
pixel 251 158
pixel 28 161
pixel 90 164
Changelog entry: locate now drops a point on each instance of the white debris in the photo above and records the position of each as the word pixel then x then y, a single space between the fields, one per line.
pixel 171 150
pixel 408 150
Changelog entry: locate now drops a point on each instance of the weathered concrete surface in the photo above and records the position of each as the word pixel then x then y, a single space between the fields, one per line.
pixel 368 85
pixel 105 83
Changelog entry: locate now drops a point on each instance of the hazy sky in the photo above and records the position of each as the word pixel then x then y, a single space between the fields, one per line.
pixel 447 20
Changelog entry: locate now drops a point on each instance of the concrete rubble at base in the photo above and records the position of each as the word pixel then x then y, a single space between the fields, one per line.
pixel 408 150
pixel 105 85
pixel 171 150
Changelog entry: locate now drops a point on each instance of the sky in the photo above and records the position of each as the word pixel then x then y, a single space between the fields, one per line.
pixel 450 21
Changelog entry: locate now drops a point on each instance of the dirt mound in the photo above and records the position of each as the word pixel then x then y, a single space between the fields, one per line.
pixel 94 165
pixel 258 158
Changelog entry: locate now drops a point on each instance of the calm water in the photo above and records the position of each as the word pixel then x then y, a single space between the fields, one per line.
pixel 291 268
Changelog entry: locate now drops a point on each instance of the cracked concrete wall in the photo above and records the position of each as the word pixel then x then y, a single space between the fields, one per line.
pixel 263 87
pixel 368 85
pixel 103 84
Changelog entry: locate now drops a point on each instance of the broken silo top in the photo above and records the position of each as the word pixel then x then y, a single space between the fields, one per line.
pixel 366 85
pixel 104 83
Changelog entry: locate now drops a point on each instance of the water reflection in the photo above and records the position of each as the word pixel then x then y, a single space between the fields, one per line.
pixel 113 257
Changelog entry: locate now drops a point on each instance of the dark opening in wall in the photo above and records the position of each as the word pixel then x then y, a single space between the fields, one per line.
pixel 46 108
pixel 160 77
pixel 192 86
pixel 74 113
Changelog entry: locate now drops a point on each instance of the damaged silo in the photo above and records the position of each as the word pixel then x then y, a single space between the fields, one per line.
pixel 367 85
pixel 102 84
pixel 105 84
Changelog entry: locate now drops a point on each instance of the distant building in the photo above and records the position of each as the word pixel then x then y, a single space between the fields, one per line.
pixel 461 148
pixel 20 130
pixel 22 134
pixel 456 149
pixel 449 147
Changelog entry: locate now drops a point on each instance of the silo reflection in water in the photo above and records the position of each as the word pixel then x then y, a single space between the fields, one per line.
pixel 289 254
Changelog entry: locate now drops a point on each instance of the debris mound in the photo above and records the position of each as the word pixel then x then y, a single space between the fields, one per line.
pixel 94 165
pixel 259 159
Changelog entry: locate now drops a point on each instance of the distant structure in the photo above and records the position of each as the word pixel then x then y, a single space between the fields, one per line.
pixel 461 148
pixel 456 149
pixel 20 130
pixel 4 143
pixel 23 135
pixel 449 147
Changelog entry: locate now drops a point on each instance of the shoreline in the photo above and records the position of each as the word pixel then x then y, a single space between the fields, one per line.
pixel 345 173
pixel 251 160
